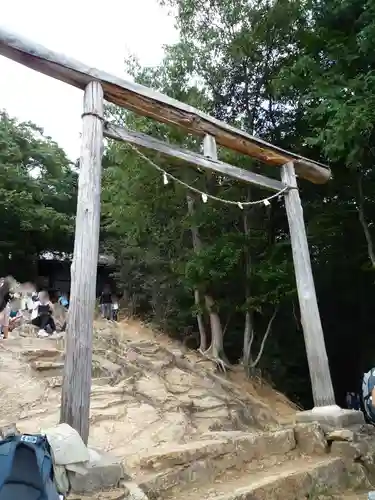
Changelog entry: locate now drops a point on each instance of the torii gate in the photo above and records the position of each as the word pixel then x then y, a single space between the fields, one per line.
pixel 97 86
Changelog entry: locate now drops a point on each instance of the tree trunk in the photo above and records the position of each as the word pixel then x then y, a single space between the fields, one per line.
pixel 249 332
pixel 197 245
pixel 201 328
pixel 247 342
pixel 362 220
pixel 216 349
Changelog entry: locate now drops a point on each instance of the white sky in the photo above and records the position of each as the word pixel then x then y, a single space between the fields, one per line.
pixel 96 32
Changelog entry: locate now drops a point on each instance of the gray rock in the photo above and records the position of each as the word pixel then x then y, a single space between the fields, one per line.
pixel 310 439
pixel 348 450
pixel 331 417
pixel 342 435
pixel 102 473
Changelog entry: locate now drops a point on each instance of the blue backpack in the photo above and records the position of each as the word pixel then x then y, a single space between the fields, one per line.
pixel 26 469
pixel 368 384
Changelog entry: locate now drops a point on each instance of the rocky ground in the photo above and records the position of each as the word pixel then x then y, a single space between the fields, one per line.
pixel 181 429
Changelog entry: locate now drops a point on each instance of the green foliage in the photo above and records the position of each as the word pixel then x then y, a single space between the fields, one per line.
pixel 37 194
pixel 300 74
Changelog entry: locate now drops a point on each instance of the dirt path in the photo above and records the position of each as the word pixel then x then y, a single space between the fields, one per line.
pixel 146 393
pixel 149 394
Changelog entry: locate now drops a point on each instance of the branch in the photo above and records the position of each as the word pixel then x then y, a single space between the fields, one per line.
pixel 268 331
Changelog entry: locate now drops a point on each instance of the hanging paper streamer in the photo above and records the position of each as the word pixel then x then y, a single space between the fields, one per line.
pixel 240 205
pixel 266 203
pixel 165 179
pixel 204 197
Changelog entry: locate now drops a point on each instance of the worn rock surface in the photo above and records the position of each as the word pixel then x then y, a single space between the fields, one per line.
pixel 349 450
pixel 146 391
pixel 174 427
pixel 342 435
pixel 331 417
pixel 102 472
pixel 310 439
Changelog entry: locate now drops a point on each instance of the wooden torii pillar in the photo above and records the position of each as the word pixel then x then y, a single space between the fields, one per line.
pixel 75 400
pixel 320 376
pixel 146 102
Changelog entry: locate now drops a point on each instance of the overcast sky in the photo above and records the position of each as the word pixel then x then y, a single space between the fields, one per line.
pixel 99 33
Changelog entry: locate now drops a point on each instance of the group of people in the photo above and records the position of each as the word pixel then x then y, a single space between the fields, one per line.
pixel 35 308
pixel 38 309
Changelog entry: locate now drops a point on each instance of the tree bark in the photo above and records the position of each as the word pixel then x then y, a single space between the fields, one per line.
pixel 248 339
pixel 197 245
pixel 249 320
pixel 363 222
pixel 320 375
pixel 75 401
pixel 216 349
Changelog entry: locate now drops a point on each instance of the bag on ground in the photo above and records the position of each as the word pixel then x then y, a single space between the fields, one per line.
pixel 26 469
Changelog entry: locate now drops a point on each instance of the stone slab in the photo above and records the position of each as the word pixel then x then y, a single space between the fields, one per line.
pixel 331 417
pixel 102 472
pixel 310 438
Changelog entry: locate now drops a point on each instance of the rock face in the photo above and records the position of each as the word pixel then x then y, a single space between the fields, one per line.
pixel 146 392
pixel 178 428
pixel 310 439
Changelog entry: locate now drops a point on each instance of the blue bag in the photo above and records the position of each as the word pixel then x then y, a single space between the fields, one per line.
pixel 368 384
pixel 26 469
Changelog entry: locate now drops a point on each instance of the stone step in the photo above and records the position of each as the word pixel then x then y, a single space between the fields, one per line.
pixel 43 366
pixel 57 381
pixel 40 354
pixel 297 480
pixel 246 447
pixel 50 363
pixel 20 345
pixel 198 462
pixel 104 366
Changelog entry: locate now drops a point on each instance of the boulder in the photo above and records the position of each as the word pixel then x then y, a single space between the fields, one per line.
pixel 8 430
pixel 349 451
pixel 102 472
pixel 331 417
pixel 342 435
pixel 310 439
pixel 41 366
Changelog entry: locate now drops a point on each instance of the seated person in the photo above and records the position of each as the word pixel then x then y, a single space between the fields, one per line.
pixel 63 300
pixel 42 315
pixel 15 317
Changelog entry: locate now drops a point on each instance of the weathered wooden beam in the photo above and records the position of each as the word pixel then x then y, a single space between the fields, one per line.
pixel 148 102
pixel 145 141
pixel 75 402
pixel 320 375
